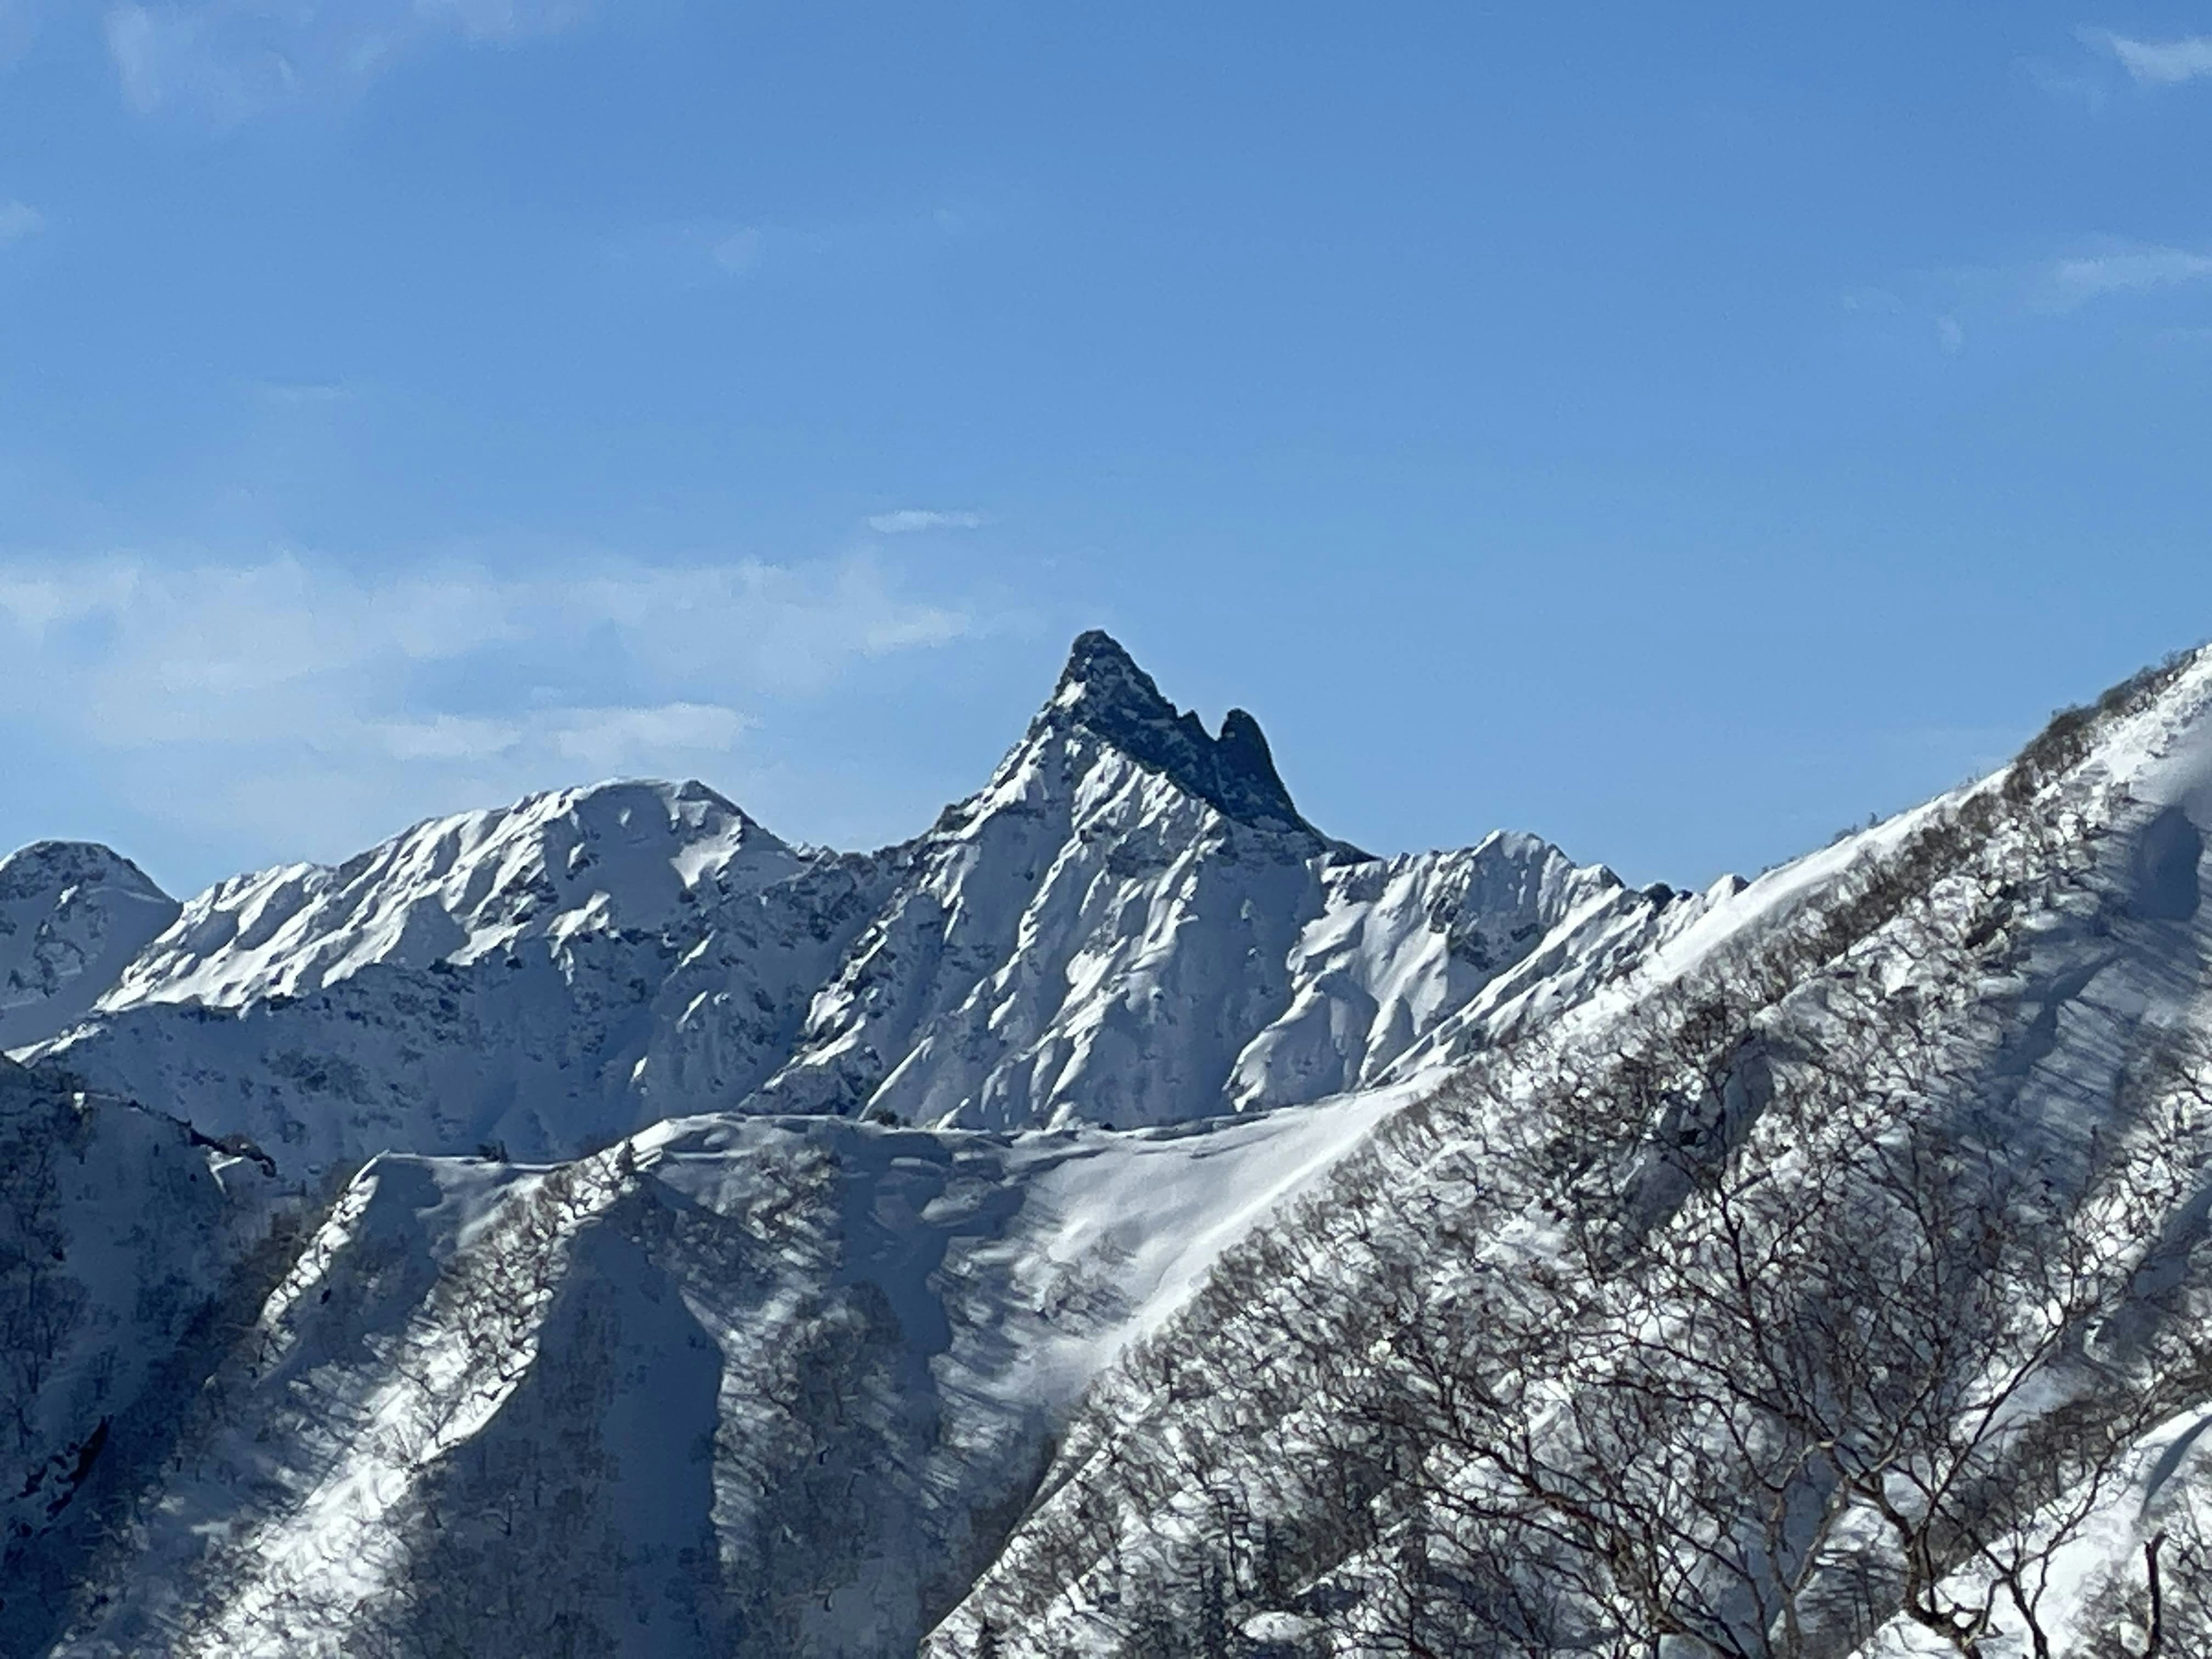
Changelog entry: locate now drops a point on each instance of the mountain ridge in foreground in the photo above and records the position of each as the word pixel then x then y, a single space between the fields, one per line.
pixel 1484 1257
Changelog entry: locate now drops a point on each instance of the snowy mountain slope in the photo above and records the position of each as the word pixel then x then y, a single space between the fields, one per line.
pixel 1454 1362
pixel 1130 924
pixel 739 1386
pixel 73 916
pixel 1417 962
pixel 539 978
pixel 1498 1389
pixel 617 858
pixel 122 1241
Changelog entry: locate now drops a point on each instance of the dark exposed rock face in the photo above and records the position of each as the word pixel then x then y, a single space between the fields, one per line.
pixel 1104 691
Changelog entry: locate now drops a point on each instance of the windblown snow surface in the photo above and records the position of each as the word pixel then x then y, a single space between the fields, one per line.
pixel 599 1226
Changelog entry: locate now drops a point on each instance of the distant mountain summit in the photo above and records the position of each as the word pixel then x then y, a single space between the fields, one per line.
pixel 73 916
pixel 1103 690
pixel 1130 923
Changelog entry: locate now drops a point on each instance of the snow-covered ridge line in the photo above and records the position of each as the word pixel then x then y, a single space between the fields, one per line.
pixel 456 890
pixel 74 916
pixel 760 1381
pixel 1129 924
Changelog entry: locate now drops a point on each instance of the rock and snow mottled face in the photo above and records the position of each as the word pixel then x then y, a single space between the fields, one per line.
pixel 122 1243
pixel 73 917
pixel 2004 994
pixel 625 856
pixel 1129 924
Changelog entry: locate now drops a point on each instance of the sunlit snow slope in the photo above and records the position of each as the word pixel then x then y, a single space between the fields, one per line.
pixel 1129 924
pixel 598 1226
pixel 1835 1282
pixel 739 1222
pixel 741 1386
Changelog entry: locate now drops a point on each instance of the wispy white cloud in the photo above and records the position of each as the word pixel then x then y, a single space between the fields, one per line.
pixel 2157 62
pixel 600 741
pixel 296 394
pixel 908 519
pixel 2069 283
pixel 19 219
pixel 229 60
pixel 301 705
pixel 706 251
pixel 604 740
pixel 2138 285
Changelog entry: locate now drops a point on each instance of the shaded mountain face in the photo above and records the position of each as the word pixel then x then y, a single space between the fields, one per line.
pixel 1130 924
pixel 73 917
pixel 130 1255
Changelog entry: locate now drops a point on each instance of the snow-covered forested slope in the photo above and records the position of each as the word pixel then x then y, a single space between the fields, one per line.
pixel 1484 1258
pixel 127 1252
pixel 1835 1283
pixel 894 1152
pixel 737 1386
pixel 1129 924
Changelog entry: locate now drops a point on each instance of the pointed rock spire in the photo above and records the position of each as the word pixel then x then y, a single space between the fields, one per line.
pixel 1104 691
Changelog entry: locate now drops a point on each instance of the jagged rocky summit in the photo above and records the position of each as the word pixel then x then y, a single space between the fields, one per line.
pixel 1104 692
pixel 1130 924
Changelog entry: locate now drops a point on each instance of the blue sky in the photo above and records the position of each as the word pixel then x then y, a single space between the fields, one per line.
pixel 1678 431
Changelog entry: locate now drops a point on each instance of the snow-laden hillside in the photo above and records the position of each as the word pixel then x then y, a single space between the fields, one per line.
pixel 1812 1268
pixel 124 1246
pixel 767 1383
pixel 1129 924
pixel 624 858
pixel 741 1386
pixel 1833 1282
pixel 541 978
pixel 73 917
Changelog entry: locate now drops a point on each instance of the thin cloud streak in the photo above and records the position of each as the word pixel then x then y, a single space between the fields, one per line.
pixel 909 519
pixel 19 219
pixel 224 695
pixel 2159 62
pixel 230 61
pixel 2075 282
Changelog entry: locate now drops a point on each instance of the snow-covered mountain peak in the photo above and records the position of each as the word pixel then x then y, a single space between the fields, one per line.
pixel 72 912
pixel 1130 924
pixel 608 857
pixel 1101 691
pixel 64 863
pixel 800 1360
